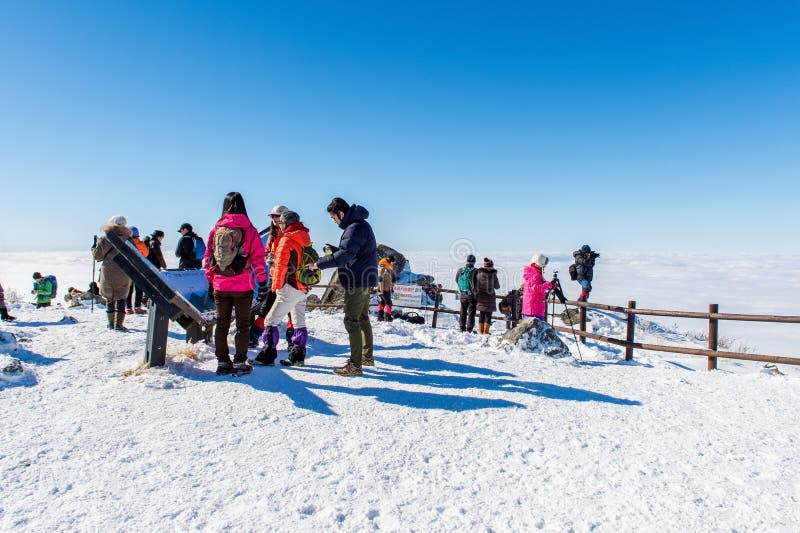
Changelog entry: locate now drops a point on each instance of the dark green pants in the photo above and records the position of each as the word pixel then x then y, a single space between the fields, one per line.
pixel 356 322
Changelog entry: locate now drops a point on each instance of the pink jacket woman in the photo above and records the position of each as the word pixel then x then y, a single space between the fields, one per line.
pixel 534 292
pixel 253 249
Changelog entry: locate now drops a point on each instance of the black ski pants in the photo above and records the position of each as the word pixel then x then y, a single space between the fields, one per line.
pixel 466 318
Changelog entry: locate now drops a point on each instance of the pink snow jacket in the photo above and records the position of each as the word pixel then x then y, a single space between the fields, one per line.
pixel 253 249
pixel 534 292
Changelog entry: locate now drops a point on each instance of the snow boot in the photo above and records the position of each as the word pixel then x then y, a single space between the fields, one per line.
pixel 348 370
pixel 5 316
pixel 119 320
pixel 241 368
pixel 297 357
pixel 110 320
pixel 266 357
pixel 224 367
pixel 381 316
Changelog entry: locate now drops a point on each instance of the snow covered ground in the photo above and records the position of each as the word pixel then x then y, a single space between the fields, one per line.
pixel 447 432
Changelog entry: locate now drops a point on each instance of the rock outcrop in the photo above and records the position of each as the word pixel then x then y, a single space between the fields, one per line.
pixel 533 335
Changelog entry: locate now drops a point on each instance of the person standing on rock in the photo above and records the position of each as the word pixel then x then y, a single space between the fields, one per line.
pixel 114 282
pixel 535 288
pixel 486 284
pixel 584 267
pixel 356 261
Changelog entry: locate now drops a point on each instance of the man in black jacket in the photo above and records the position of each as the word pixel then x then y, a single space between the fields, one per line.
pixel 356 261
pixel 186 248
pixel 584 263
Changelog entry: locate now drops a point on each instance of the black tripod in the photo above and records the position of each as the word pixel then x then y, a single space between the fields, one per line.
pixel 559 293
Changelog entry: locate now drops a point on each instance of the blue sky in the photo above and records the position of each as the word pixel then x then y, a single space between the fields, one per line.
pixel 630 126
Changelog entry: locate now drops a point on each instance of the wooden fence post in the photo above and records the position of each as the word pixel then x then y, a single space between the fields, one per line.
pixel 582 325
pixel 712 335
pixel 630 331
pixel 437 295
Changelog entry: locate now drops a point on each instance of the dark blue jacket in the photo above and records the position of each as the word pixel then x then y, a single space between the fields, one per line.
pixel 357 256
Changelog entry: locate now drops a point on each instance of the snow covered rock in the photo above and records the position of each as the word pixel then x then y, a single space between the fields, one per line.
pixel 533 335
pixel 13 366
pixel 8 342
pixel 570 317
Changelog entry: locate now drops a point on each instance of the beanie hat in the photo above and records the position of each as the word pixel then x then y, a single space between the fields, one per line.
pixel 134 231
pixel 586 249
pixel 278 210
pixel 539 260
pixel 471 259
pixel 118 220
pixel 289 217
pixel 487 263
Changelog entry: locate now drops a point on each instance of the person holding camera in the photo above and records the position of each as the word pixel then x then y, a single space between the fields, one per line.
pixel 584 266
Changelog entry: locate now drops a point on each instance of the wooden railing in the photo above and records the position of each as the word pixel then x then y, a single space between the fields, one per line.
pixel 713 316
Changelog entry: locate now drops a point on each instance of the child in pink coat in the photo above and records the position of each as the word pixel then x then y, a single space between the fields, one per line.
pixel 535 288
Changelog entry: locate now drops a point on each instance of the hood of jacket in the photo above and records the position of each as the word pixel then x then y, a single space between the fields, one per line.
pixel 122 231
pixel 532 273
pixel 356 213
pixel 234 221
pixel 385 263
pixel 298 233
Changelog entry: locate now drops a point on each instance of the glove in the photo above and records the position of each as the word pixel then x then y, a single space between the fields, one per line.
pixel 328 249
pixel 259 322
pixel 271 259
pixel 211 291
pixel 263 292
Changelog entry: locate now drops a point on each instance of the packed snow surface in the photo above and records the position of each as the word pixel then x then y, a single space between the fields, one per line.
pixel 448 432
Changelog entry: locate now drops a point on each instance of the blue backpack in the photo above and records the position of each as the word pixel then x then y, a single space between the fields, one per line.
pixel 52 279
pixel 199 249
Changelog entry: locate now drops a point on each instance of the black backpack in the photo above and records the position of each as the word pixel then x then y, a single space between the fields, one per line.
pixel 573 272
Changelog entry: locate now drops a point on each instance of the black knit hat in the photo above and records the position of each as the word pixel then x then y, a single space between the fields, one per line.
pixel 471 259
pixel 289 218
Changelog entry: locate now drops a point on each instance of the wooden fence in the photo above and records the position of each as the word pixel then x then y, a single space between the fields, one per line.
pixel 713 316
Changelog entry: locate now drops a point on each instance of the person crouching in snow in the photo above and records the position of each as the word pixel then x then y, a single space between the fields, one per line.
pixel 385 287
pixel 234 252
pixel 290 294
pixel 535 288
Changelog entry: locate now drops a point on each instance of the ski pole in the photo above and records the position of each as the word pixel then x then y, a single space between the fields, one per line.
pixel 94 265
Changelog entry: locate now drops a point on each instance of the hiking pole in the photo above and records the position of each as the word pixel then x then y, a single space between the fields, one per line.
pixel 560 295
pixel 94 265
